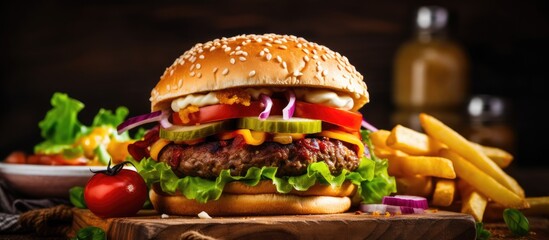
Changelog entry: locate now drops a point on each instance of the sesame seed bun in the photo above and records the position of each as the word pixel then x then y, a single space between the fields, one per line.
pixel 258 60
pixel 263 202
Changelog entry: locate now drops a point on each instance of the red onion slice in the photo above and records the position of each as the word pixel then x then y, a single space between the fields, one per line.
pixel 138 121
pixel 406 201
pixel 165 119
pixel 288 111
pixel 268 102
pixel 368 126
pixel 384 208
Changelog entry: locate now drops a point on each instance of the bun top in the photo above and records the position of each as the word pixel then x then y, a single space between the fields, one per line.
pixel 257 61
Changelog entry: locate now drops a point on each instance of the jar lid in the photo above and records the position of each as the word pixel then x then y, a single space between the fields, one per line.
pixel 431 18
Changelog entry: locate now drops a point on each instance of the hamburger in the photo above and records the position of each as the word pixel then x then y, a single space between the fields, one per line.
pixel 258 125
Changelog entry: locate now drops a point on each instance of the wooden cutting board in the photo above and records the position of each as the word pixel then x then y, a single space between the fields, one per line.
pixel 149 225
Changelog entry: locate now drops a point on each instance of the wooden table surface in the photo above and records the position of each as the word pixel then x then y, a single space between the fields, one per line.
pixel 434 225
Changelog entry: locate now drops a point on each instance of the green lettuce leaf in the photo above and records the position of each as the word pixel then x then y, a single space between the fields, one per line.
pixel 60 127
pixel 203 190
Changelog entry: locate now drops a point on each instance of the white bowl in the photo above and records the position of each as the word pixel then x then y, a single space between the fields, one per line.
pixel 45 181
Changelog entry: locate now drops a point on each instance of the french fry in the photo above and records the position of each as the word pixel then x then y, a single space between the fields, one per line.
pixel 415 185
pixel 421 165
pixel 413 142
pixel 464 148
pixel 379 139
pixel 539 206
pixel 501 157
pixel 483 182
pixel 473 202
pixel 444 192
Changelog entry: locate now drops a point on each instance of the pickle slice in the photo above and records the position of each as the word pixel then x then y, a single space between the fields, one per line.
pixel 184 133
pixel 276 124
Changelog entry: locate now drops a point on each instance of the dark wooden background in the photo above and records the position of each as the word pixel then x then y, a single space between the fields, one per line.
pixel 109 53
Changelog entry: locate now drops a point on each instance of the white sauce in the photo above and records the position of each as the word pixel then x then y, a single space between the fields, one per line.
pixel 199 100
pixel 318 96
pixel 325 97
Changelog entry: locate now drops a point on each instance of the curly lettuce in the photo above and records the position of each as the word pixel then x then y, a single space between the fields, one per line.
pixel 371 178
pixel 61 127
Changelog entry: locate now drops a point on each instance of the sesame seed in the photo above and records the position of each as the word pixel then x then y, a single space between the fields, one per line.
pixel 232 61
pixel 212 49
pixel 324 57
pixel 242 59
pixel 198 66
pixel 227 49
pixel 306 58
pixel 325 72
pixel 180 83
pixel 245 53
pixel 266 49
pixel 192 67
pixel 232 53
pixel 214 70
pixel 283 47
pixel 268 57
pixel 199 75
pixel 268 44
pixel 252 73
pixel 262 53
pixel 299 45
pixel 192 74
pixel 305 50
pixel 284 65
pixel 201 57
pixel 171 72
pixel 258 40
pixel 315 57
pixel 278 42
pixel 318 68
pixel 225 71
pixel 297 73
pixel 278 59
pixel 237 48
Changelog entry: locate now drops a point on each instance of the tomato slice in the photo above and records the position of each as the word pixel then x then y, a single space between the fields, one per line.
pixel 56 159
pixel 220 112
pixel 350 121
pixel 347 119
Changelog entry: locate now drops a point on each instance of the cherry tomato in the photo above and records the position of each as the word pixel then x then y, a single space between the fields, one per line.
pixel 115 192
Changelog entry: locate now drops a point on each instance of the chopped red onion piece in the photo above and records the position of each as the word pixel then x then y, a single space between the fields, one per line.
pixel 406 201
pixel 288 111
pixel 268 102
pixel 368 126
pixel 138 121
pixel 384 208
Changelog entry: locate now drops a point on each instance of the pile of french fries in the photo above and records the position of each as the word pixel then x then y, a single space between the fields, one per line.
pixel 445 167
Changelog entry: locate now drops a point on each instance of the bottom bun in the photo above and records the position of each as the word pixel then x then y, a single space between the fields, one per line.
pixel 249 204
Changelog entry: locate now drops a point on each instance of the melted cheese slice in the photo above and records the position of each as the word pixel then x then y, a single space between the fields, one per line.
pixel 345 137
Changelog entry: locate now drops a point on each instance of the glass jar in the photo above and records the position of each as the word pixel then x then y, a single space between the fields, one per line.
pixel 430 70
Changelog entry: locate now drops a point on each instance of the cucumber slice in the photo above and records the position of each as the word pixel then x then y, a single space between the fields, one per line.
pixel 184 133
pixel 276 124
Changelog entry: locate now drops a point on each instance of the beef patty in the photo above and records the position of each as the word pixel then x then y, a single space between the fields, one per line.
pixel 207 159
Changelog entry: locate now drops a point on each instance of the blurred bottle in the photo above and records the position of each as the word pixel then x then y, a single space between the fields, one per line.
pixel 430 70
pixel 489 122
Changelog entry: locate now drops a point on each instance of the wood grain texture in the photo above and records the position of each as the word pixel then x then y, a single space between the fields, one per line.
pixel 148 225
